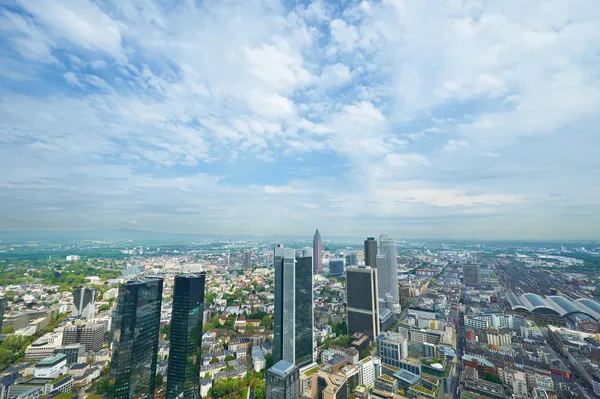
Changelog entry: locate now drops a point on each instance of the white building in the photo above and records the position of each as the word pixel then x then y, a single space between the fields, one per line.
pixel 51 367
pixel 73 258
pixel 367 372
pixel 498 339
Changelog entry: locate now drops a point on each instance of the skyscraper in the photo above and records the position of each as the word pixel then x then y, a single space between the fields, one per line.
pixel 282 381
pixel 363 301
pixel 136 325
pixel 2 305
pixel 370 251
pixel 247 260
pixel 317 253
pixel 336 266
pixel 84 302
pixel 388 249
pixel 304 311
pixel 352 259
pixel 293 320
pixel 185 358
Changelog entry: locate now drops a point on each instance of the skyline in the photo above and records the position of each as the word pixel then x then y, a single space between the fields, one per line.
pixel 472 121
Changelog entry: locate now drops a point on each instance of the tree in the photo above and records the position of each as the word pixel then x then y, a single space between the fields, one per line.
pixel 214 360
pixel 103 307
pixel 229 358
pixel 167 331
pixel 269 359
pixel 267 322
pixel 159 379
pixel 8 330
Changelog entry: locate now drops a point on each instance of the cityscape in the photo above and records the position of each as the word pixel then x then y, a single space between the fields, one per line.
pixel 299 199
pixel 329 319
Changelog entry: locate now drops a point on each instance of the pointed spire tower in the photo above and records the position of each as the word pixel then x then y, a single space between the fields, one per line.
pixel 317 253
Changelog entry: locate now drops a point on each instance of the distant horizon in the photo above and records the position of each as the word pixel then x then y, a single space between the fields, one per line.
pixel 188 236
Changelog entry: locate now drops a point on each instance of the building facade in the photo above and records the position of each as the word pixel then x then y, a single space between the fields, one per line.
pixel 136 327
pixel 389 269
pixel 282 381
pixel 317 253
pixel 392 348
pixel 183 380
pixel 370 252
pixel 471 274
pixel 362 300
pixel 293 319
pixel 84 303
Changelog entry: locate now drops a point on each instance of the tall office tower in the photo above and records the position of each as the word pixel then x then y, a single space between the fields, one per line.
pixel 388 249
pixel 84 302
pixel 370 252
pixel 317 253
pixel 471 274
pixel 293 320
pixel 362 299
pixel 183 378
pixel 136 325
pixel 304 311
pixel 282 381
pixel 352 259
pixel 247 260
pixel 336 266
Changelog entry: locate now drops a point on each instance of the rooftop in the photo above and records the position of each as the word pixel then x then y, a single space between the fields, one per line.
pixel 52 360
pixel 282 368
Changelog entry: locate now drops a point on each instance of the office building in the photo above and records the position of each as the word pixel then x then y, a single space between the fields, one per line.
pixel 51 367
pixel 84 303
pixel 136 327
pixel 282 381
pixel 362 300
pixel 352 259
pixel 471 274
pixel 183 380
pixel 370 252
pixel 392 348
pixel 330 385
pixel 293 319
pixel 317 253
pixel 72 352
pixel 91 335
pixel 389 269
pixel 247 260
pixel 336 267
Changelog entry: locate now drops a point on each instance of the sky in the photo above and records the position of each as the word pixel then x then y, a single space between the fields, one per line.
pixel 420 119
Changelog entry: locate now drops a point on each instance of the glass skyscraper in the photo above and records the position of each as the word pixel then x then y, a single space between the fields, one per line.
pixel 186 337
pixel 293 321
pixel 282 381
pixel 136 325
pixel 362 300
pixel 370 251
pixel 389 272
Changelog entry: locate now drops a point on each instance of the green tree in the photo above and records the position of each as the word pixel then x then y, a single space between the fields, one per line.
pixel 269 361
pixel 166 329
pixel 267 322
pixel 8 330
pixel 159 379
pixel 103 307
pixel 229 358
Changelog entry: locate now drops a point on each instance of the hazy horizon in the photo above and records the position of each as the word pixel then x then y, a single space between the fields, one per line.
pixel 468 120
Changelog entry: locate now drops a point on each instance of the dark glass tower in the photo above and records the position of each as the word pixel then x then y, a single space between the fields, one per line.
pixel 362 299
pixel 293 321
pixel 282 381
pixel 304 311
pixel 186 337
pixel 136 325
pixel 370 252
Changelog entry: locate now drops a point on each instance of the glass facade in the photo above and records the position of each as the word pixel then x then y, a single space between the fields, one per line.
pixel 370 252
pixel 304 311
pixel 282 381
pixel 136 325
pixel 361 296
pixel 186 337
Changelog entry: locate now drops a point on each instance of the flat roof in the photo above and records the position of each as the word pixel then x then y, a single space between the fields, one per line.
pixel 282 368
pixel 51 361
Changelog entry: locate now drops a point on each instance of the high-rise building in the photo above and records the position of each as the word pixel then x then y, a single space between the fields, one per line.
pixel 73 352
pixel 84 302
pixel 183 380
pixel 247 260
pixel 282 381
pixel 389 271
pixel 352 259
pixel 317 253
pixel 392 348
pixel 304 311
pixel 293 320
pixel 91 335
pixel 471 274
pixel 362 300
pixel 370 251
pixel 336 266
pixel 136 327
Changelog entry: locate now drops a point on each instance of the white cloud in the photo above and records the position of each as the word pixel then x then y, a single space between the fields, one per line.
pixel 335 75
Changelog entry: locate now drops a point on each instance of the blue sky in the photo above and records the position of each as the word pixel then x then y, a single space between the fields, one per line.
pixel 455 119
